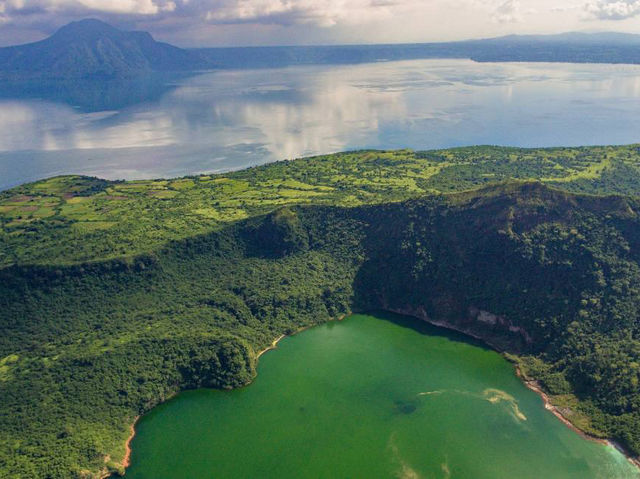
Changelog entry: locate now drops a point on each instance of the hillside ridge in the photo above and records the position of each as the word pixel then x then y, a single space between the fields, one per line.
pixel 539 269
pixel 74 219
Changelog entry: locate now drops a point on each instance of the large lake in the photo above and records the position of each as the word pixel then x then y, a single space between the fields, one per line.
pixel 370 397
pixel 230 119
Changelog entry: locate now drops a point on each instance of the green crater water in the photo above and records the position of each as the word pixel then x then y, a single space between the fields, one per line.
pixel 369 397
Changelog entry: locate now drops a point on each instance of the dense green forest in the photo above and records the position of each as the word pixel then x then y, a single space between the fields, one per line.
pixel 116 295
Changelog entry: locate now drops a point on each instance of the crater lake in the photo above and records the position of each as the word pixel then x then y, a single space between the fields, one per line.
pixel 378 396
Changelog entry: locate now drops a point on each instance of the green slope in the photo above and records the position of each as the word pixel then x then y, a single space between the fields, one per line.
pixel 70 219
pixel 114 296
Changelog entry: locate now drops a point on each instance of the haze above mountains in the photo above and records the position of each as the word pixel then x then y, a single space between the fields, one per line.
pixel 92 49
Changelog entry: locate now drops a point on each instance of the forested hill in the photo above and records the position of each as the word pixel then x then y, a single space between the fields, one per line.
pixel 178 283
pixel 93 49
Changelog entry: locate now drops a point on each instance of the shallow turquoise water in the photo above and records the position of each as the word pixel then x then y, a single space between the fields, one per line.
pixel 369 397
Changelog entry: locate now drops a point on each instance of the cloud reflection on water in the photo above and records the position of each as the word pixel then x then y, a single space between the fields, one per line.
pixel 230 119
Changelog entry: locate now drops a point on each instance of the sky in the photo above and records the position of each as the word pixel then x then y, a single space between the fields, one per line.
pixel 191 23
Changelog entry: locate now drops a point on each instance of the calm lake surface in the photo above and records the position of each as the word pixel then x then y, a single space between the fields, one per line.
pixel 370 398
pixel 231 119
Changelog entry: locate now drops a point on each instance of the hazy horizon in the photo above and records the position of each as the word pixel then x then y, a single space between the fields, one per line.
pixel 225 23
pixel 346 44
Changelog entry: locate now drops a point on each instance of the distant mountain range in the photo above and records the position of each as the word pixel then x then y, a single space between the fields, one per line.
pixel 566 47
pixel 92 49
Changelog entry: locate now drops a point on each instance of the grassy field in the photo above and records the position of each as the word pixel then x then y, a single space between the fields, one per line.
pixel 71 219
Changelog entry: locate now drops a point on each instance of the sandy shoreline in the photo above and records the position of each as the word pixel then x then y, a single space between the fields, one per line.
pixel 534 386
pixel 126 460
pixel 273 345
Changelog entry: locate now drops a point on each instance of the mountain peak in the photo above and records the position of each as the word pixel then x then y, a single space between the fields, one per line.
pixel 91 48
pixel 87 23
pixel 87 29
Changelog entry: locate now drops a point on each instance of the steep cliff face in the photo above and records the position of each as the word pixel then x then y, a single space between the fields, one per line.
pixel 547 275
pixel 535 258
pixel 496 331
pixel 530 270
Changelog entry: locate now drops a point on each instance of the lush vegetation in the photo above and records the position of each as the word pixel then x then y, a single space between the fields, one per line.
pixel 116 295
pixel 67 220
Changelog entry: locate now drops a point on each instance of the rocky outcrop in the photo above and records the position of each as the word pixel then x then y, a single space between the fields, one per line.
pixel 496 331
